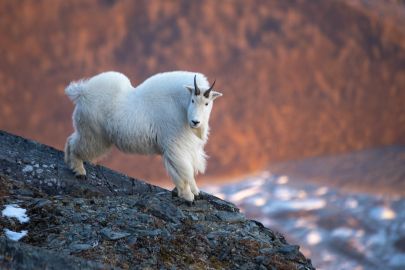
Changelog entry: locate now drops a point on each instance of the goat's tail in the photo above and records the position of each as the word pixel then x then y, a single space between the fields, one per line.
pixel 75 90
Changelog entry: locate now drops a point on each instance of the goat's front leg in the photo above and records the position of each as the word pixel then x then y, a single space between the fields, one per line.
pixel 179 171
pixel 193 187
pixel 183 191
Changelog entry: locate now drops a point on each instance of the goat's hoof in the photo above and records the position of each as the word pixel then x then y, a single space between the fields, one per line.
pixel 175 193
pixel 81 176
pixel 190 203
pixel 198 197
pixel 187 199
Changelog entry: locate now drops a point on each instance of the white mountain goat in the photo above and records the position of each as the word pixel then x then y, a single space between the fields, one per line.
pixel 164 115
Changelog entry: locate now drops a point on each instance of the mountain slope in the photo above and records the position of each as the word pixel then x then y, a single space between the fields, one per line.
pixel 122 222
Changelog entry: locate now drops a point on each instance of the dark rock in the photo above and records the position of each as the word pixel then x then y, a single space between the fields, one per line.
pixel 149 233
pixel 122 222
pixel 262 267
pixel 75 248
pixel 25 192
pixel 258 223
pixel 113 235
pixel 260 259
pixel 39 203
pixel 220 204
pixel 230 216
pixel 132 240
pixel 155 207
pixel 194 217
pixel 287 249
pixel 16 255
pixel 27 169
pixel 266 250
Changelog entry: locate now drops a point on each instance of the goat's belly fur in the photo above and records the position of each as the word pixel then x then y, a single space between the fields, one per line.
pixel 135 145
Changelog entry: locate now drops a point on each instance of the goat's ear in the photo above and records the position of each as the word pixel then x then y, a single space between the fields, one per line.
pixel 189 88
pixel 215 94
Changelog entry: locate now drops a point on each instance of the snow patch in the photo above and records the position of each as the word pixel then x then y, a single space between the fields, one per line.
pixel 15 236
pixel 13 210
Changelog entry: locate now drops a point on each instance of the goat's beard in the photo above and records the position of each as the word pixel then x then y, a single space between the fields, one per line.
pixel 198 132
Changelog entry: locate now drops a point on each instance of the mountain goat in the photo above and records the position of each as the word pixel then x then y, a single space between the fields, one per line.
pixel 164 115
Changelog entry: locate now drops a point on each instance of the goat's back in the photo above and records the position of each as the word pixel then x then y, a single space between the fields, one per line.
pixel 171 84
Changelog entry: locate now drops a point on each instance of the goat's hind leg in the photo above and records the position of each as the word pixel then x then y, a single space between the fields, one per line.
pixel 71 157
pixel 67 156
pixel 79 148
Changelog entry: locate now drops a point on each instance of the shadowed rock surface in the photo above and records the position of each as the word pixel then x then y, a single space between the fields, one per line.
pixel 121 222
pixel 25 257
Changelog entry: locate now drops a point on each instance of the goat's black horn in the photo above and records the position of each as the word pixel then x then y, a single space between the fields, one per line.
pixel 197 90
pixel 207 93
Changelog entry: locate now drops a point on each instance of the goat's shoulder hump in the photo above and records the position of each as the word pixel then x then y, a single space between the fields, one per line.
pixel 179 77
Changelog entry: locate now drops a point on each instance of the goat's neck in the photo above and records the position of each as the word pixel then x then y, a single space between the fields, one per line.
pixel 202 131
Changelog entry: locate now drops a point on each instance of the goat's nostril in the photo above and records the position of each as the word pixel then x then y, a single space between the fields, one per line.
pixel 195 122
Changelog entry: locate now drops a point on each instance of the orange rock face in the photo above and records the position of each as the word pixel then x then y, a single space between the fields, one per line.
pixel 299 78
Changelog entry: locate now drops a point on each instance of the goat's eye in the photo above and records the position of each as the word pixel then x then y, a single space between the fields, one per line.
pixel 206 104
pixel 192 100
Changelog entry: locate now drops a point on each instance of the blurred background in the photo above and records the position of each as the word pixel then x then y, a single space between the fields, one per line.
pixel 309 137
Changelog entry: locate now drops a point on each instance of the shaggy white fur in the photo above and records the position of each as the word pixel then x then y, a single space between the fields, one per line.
pixel 164 115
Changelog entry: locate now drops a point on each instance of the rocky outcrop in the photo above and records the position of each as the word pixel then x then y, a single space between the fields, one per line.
pixel 112 221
